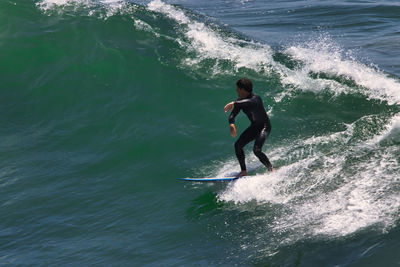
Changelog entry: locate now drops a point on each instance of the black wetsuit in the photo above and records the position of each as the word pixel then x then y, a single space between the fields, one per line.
pixel 258 130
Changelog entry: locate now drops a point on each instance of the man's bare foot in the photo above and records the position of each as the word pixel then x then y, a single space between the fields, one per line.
pixel 271 169
pixel 242 173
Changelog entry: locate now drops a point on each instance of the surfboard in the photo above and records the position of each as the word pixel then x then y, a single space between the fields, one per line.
pixel 211 179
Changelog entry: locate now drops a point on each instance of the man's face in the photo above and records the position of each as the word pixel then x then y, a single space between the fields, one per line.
pixel 241 92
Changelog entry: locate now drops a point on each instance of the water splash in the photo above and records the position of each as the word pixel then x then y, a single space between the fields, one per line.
pixel 331 194
pixel 323 57
pixel 321 64
pixel 321 67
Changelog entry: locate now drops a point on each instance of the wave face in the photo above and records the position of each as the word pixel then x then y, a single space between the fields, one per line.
pixel 105 103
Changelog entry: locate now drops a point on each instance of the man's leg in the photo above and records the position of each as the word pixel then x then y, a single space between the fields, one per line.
pixel 246 137
pixel 257 149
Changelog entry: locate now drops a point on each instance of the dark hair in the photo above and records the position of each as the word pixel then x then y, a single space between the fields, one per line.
pixel 245 84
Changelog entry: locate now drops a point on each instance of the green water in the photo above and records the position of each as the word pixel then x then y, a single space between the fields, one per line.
pixel 103 106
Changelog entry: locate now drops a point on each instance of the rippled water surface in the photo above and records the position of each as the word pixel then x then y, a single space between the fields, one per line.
pixel 104 104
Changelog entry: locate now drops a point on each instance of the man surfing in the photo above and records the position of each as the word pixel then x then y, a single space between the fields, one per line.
pixel 259 128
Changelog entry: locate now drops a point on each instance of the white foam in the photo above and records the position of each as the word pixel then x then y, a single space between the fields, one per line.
pixel 111 7
pixel 323 56
pixel 391 133
pixel 331 194
pixel 364 200
pixel 208 44
pixel 320 56
pixel 46 5
pixel 143 26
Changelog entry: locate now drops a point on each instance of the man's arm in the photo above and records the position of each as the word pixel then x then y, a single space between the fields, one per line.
pixel 233 130
pixel 235 111
pixel 229 106
pixel 243 103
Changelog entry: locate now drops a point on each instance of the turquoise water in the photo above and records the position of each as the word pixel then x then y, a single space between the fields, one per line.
pixel 104 104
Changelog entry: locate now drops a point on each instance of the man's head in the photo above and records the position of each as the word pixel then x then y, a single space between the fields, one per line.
pixel 244 87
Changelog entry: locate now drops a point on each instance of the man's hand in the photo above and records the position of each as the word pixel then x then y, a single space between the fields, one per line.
pixel 233 130
pixel 229 106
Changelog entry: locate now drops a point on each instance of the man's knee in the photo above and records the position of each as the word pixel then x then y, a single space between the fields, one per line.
pixel 257 151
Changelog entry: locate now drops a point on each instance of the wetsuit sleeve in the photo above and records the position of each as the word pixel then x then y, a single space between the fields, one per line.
pixel 234 112
pixel 244 103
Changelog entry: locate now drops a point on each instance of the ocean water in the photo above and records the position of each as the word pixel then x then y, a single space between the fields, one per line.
pixel 105 103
